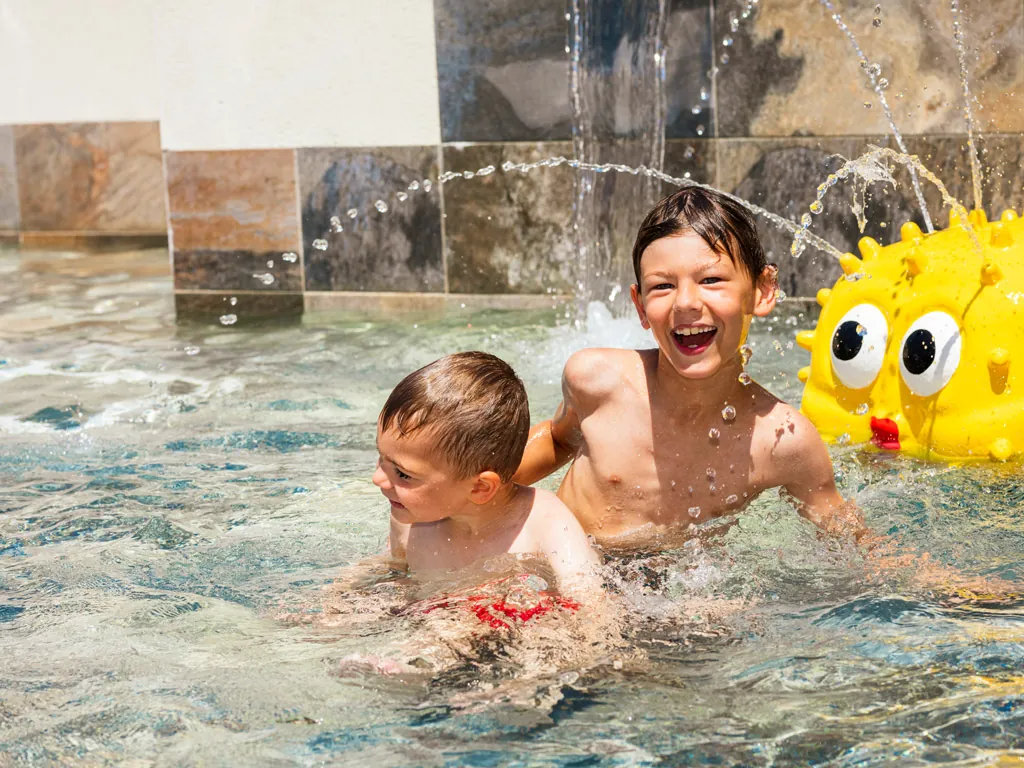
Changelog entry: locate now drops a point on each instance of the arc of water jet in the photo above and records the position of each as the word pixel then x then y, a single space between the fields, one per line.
pixel 961 55
pixel 838 19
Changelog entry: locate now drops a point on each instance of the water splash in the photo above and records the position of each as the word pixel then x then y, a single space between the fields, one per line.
pixel 873 71
pixel 961 55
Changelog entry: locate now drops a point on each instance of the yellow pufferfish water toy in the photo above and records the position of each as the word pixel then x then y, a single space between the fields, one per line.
pixel 920 345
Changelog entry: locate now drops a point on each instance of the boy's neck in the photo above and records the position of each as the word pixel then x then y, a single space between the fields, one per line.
pixel 476 520
pixel 695 395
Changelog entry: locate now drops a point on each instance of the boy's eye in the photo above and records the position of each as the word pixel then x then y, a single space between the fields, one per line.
pixel 710 280
pixel 660 287
pixel 402 475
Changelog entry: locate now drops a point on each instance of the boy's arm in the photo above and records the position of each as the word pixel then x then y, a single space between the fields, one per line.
pixel 568 550
pixel 810 482
pixel 551 445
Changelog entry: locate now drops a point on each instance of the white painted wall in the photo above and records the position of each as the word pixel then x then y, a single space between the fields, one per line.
pixel 227 74
pixel 77 60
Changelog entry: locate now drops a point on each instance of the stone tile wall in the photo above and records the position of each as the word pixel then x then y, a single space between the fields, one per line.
pixel 763 104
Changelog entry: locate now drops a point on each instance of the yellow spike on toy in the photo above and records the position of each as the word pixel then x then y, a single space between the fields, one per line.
pixel 804 374
pixel 910 231
pixel 1001 449
pixel 1001 236
pixel 916 263
pixel 1008 215
pixel 822 296
pixel 990 273
pixel 869 247
pixel 977 218
pixel 998 358
pixel 805 340
pixel 850 263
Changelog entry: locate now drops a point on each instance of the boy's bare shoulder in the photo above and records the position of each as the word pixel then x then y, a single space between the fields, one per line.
pixel 597 371
pixel 785 433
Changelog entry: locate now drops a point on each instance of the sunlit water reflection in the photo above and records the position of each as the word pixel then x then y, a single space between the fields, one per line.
pixel 173 501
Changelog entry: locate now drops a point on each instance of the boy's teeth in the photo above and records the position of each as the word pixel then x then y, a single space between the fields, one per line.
pixel 692 331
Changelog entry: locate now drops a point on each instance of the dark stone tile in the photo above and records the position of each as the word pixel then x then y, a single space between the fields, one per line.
pixel 399 250
pixel 504 69
pixel 239 270
pixel 249 308
pixel 791 71
pixel 99 177
pixel 782 175
pixel 233 201
pixel 503 72
pixel 10 211
pixel 692 159
pixel 509 232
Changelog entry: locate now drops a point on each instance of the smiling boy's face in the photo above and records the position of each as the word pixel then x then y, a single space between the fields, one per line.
pixel 420 485
pixel 698 303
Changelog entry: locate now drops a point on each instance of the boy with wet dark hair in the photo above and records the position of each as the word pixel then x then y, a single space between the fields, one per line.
pixel 665 438
pixel 450 437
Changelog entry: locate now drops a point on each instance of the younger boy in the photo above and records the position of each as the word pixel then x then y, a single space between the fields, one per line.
pixel 450 437
pixel 664 438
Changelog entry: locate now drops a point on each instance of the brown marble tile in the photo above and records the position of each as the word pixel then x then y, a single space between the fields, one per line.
pixel 233 201
pixel 238 270
pixel 99 177
pixel 249 308
pixel 782 175
pixel 10 210
pixel 509 232
pixel 791 71
pixel 396 250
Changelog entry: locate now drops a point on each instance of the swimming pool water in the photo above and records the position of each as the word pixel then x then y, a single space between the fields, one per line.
pixel 173 499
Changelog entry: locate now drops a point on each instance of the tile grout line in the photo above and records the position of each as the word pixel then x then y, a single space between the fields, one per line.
pixel 167 208
pixel 444 223
pixel 298 216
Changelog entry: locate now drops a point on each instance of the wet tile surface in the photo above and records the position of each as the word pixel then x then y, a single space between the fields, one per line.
pixel 102 177
pixel 247 308
pixel 688 61
pixel 397 250
pixel 781 175
pixel 503 70
pixel 242 270
pixel 509 232
pixel 791 71
pixel 9 209
pixel 233 201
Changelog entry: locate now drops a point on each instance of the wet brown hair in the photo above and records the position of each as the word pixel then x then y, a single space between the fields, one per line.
pixel 721 222
pixel 475 406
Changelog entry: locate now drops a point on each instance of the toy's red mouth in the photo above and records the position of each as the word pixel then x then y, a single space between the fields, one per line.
pixel 885 434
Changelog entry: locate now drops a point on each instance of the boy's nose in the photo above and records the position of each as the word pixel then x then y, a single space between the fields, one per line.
pixel 380 478
pixel 688 296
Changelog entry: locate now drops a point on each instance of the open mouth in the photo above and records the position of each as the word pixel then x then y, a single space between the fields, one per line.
pixel 395 504
pixel 885 434
pixel 694 340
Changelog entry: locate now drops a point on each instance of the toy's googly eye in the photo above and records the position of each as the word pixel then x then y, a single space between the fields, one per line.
pixel 858 346
pixel 930 353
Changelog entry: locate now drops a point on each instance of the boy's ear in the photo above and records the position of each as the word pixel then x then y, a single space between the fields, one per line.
pixel 766 290
pixel 638 302
pixel 484 487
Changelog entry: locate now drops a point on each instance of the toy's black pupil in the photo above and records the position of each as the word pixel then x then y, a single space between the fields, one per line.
pixel 847 341
pixel 919 351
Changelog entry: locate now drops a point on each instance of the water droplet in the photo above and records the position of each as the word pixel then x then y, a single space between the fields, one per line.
pixel 877 22
pixel 320 244
pixel 843 439
pixel 729 413
pixel 780 296
pixel 264 277
pixel 746 353
pixel 232 301
pixel 351 213
pixel 700 130
pixel 402 196
pixel 693 512
pixel 724 58
pixel 883 84
pixel 468 174
pixel 734 23
pixel 427 185
pixel 414 186
pixel 854 277
pixel 744 379
pixel 689 152
pixel 796 248
pixel 697 109
pixel 817 207
pixel 704 95
pixel 270 263
pixel 875 69
pixel 714 434
pixel 861 330
pixel 291 258
pixel 727 41
pixel 732 498
pixel 712 488
pixel 192 350
pixel 862 409
pixel 805 220
pixel 710 472
pixel 867 105
pixel 381 206
pixel 228 319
